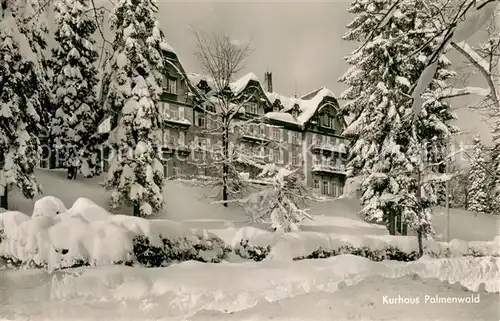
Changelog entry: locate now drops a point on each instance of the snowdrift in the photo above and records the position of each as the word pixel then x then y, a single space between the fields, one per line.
pixel 86 234
pixel 294 245
pixel 55 238
pixel 180 290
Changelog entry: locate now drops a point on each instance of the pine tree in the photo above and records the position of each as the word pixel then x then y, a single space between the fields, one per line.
pixel 20 86
pixel 394 153
pixel 132 79
pixel 479 179
pixel 74 125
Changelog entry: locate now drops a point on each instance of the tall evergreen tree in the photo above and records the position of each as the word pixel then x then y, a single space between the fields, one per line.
pixel 479 180
pixel 132 79
pixel 395 154
pixel 20 85
pixel 74 125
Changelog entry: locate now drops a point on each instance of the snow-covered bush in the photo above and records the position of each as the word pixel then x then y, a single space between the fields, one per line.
pixel 252 252
pixel 282 204
pixel 212 250
pixel 390 253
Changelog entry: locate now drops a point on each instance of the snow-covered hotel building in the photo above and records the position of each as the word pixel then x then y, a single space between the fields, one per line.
pixel 303 132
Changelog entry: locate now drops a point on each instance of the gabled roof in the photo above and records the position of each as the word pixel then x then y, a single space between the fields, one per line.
pixel 308 106
pixel 239 85
pixel 312 93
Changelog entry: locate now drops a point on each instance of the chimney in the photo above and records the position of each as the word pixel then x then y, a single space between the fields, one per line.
pixel 268 81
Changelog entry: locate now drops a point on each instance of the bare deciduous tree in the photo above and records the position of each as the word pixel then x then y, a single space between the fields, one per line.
pixel 221 59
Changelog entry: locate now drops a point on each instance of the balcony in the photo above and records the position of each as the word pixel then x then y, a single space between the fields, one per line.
pixel 328 168
pixel 329 148
pixel 176 148
pixel 175 121
pixel 254 137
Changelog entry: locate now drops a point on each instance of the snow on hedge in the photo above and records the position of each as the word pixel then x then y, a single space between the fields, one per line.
pixel 299 244
pixel 87 233
pixel 84 233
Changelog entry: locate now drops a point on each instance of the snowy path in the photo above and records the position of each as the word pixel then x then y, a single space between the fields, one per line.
pixel 180 291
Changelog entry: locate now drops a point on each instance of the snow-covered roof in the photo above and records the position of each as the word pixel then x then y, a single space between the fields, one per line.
pixel 311 94
pixel 165 46
pixel 283 117
pixel 239 85
pixel 309 107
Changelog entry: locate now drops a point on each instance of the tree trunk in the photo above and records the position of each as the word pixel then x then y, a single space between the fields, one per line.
pixel 71 173
pixel 4 199
pixel 392 222
pixel 419 229
pixel 405 229
pixel 225 166
pixel 137 212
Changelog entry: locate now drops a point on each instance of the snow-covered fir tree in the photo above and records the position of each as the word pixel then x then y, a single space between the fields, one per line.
pixel 478 179
pixel 74 125
pixel 20 85
pixel 494 184
pixel 132 87
pixel 395 154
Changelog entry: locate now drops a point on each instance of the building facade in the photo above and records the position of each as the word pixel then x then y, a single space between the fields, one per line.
pixel 304 132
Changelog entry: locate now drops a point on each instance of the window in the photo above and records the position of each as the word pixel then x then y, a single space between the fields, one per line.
pixel 332 162
pixel 316 184
pixel 182 115
pixel 200 120
pixel 172 85
pixel 281 158
pixel 317 160
pixel 174 114
pixel 164 108
pixel 262 129
pixel 295 138
pixel 325 188
pixel 276 134
pixel 176 170
pixel 331 121
pixel 334 189
pixel 182 138
pixel 253 107
pixel 295 159
pixel 166 137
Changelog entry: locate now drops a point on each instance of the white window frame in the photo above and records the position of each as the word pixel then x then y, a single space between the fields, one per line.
pixel 182 138
pixel 172 85
pixel 276 134
pixel 182 113
pixel 331 121
pixel 316 184
pixel 262 129
pixel 166 137
pixel 253 107
pixel 201 116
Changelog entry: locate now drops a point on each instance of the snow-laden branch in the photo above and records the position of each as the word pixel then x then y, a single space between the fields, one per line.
pixel 482 65
pixel 471 54
pixel 457 92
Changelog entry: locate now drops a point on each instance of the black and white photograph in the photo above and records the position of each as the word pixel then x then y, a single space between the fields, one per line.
pixel 252 160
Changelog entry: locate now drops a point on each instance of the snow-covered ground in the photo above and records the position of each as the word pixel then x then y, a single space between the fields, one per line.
pixel 192 205
pixel 180 291
pixel 338 288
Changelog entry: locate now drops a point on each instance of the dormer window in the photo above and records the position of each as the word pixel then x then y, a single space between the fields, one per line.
pixel 327 121
pixel 253 107
pixel 171 85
